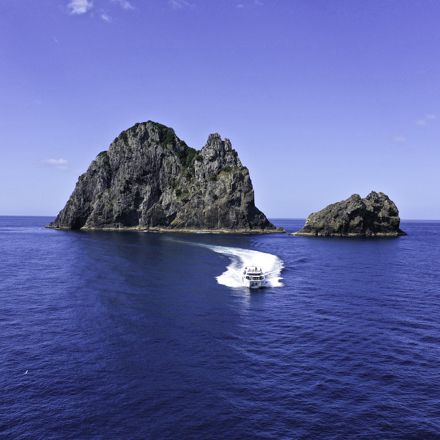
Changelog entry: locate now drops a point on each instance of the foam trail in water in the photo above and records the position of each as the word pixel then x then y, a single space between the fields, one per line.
pixel 270 264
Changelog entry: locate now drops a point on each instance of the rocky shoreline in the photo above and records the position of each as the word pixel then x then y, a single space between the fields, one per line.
pixel 190 231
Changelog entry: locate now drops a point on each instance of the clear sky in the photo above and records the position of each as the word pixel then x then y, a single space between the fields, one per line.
pixel 321 99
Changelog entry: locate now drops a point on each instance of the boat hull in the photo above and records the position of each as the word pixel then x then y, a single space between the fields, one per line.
pixel 254 284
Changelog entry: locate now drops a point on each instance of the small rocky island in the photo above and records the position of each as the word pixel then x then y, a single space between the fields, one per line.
pixel 150 179
pixel 375 215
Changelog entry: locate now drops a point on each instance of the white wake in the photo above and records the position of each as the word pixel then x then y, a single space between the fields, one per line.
pixel 270 264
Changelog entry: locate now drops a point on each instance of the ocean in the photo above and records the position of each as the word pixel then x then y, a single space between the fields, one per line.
pixel 133 335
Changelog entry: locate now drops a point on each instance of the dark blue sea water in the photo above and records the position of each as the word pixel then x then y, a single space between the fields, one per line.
pixel 129 335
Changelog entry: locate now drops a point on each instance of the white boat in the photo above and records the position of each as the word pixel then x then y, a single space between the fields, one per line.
pixel 253 277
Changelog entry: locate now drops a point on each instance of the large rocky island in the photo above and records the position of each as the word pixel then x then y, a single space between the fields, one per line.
pixel 375 215
pixel 150 179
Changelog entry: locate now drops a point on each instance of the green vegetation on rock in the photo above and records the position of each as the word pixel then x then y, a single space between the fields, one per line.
pixel 186 154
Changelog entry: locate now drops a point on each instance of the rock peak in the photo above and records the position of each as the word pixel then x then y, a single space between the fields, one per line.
pixel 215 141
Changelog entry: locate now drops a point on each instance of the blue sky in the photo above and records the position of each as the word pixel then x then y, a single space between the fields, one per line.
pixel 321 99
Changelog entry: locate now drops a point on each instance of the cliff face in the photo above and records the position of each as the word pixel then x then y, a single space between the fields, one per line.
pixel 376 215
pixel 150 179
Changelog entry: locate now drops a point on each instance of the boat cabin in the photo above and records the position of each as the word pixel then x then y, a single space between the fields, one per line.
pixel 253 273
